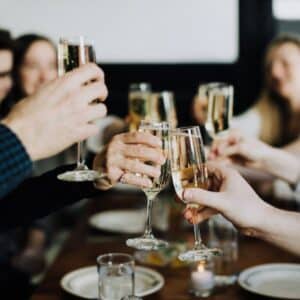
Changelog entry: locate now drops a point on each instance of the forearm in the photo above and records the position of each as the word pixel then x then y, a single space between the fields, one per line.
pixel 281 228
pixel 40 196
pixel 15 163
pixel 282 164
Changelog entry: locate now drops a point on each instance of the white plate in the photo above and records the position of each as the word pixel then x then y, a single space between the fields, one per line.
pixel 120 221
pixel 83 282
pixel 273 280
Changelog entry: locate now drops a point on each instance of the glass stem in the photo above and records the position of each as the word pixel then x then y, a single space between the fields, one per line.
pixel 148 227
pixel 197 235
pixel 80 156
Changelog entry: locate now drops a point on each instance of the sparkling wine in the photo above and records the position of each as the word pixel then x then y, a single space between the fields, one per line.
pixel 160 183
pixel 190 177
pixel 72 56
pixel 139 108
pixel 219 112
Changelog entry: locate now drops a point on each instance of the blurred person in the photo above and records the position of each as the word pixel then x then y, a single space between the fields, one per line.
pixel 119 164
pixel 6 64
pixel 274 118
pixel 233 197
pixel 236 148
pixel 29 133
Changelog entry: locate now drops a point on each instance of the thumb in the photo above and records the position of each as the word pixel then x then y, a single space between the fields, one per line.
pixel 202 197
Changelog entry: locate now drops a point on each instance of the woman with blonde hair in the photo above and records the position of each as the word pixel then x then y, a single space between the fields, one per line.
pixel 275 117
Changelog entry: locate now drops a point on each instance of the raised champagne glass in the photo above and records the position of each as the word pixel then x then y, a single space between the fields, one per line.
pixel 139 97
pixel 217 99
pixel 148 241
pixel 72 53
pixel 188 168
pixel 163 108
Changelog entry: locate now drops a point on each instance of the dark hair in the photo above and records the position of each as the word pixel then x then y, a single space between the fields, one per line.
pixel 6 41
pixel 22 44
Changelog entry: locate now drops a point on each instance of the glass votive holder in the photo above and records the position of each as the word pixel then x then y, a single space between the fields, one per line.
pixel 202 279
pixel 116 276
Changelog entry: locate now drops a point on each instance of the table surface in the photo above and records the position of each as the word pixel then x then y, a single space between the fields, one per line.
pixel 85 244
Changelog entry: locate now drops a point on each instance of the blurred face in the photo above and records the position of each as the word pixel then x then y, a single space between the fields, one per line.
pixel 39 67
pixel 283 68
pixel 6 61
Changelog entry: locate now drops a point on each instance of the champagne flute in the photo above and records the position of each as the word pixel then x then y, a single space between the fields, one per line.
pixel 219 99
pixel 148 241
pixel 139 104
pixel 189 170
pixel 72 53
pixel 163 108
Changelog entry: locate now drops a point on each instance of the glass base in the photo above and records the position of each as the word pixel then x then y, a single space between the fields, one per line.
pixel 146 243
pixel 200 253
pixel 79 175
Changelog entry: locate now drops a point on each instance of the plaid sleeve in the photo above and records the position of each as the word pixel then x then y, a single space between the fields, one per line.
pixel 15 163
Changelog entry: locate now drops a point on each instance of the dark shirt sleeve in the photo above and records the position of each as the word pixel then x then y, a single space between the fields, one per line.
pixel 39 196
pixel 15 163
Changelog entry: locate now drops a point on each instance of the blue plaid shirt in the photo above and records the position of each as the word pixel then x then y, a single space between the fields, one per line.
pixel 15 163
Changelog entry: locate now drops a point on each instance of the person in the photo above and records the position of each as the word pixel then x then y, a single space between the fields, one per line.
pixel 29 132
pixel 35 63
pixel 239 149
pixel 274 118
pixel 233 197
pixel 6 64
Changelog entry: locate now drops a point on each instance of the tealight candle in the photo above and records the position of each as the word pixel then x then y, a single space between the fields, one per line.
pixel 202 280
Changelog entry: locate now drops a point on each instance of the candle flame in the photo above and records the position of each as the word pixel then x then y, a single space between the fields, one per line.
pixel 201 267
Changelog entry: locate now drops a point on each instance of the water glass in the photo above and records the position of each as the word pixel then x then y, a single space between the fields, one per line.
pixel 116 276
pixel 223 235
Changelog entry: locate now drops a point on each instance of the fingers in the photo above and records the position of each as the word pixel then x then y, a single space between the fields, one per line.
pixel 136 166
pixel 201 197
pixel 144 153
pixel 94 112
pixel 139 181
pixel 79 76
pixel 201 216
pixel 90 92
pixel 140 138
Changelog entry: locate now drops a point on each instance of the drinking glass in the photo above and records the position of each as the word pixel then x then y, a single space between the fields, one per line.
pixel 116 276
pixel 148 241
pixel 189 170
pixel 223 234
pixel 72 53
pixel 217 98
pixel 163 108
pixel 139 104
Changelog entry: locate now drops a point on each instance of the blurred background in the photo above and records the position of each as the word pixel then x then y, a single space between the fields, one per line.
pixel 173 44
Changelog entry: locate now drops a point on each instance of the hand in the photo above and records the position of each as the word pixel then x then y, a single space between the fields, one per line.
pixel 239 149
pixel 126 156
pixel 60 113
pixel 231 196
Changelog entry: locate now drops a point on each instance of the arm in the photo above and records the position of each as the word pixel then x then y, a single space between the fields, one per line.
pixel 15 163
pixel 252 153
pixel 40 196
pixel 235 199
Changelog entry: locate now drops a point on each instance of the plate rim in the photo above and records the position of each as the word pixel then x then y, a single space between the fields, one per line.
pixel 93 225
pixel 65 279
pixel 247 271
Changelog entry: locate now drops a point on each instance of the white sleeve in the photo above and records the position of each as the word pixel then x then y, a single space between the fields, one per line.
pixel 249 123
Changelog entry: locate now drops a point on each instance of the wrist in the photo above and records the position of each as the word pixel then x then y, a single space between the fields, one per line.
pixel 264 223
pixel 23 134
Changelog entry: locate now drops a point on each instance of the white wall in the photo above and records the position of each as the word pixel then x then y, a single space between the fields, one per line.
pixel 135 30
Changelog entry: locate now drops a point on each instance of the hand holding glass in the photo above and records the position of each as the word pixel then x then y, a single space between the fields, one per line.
pixel 189 170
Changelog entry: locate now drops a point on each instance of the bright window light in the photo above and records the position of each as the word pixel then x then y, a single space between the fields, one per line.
pixel 286 9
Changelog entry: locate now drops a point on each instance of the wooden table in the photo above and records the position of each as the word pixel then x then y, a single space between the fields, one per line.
pixel 85 245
